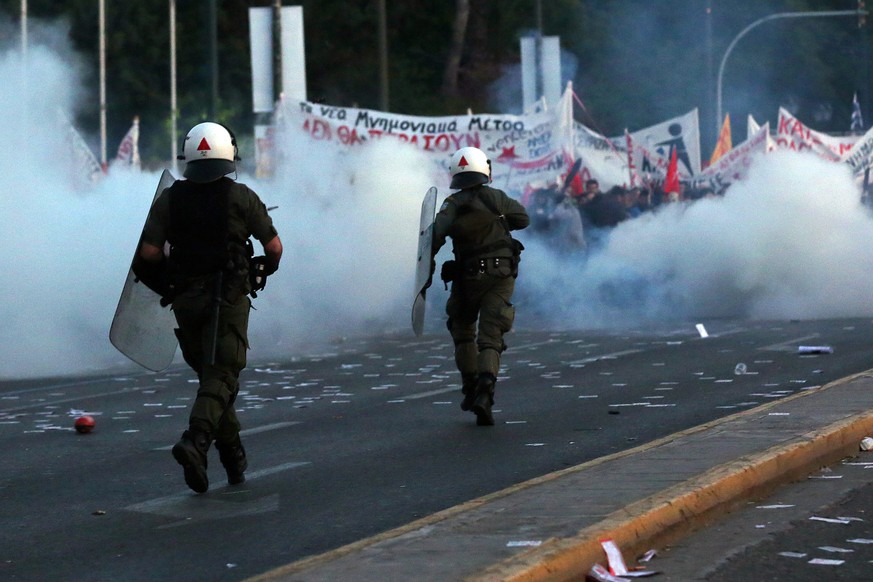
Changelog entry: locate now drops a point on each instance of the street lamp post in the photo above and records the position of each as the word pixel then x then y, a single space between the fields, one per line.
pixel 174 107
pixel 24 28
pixel 758 22
pixel 101 10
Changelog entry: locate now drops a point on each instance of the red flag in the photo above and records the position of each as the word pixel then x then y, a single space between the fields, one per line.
pixel 671 182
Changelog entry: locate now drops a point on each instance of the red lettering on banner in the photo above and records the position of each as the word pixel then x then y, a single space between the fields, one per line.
pixel 348 136
pixel 317 129
pixel 444 142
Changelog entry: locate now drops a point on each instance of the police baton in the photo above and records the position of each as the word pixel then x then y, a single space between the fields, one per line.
pixel 216 313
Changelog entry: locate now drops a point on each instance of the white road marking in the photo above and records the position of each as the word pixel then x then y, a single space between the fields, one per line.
pixel 190 507
pixel 610 356
pixel 431 393
pixel 247 431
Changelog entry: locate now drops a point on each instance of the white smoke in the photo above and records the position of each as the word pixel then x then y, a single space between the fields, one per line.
pixel 791 241
pixel 349 226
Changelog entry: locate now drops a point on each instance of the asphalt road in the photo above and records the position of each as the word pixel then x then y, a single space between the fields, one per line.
pixel 367 437
pixel 818 528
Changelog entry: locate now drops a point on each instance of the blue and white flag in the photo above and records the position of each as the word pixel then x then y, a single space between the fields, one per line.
pixel 857 120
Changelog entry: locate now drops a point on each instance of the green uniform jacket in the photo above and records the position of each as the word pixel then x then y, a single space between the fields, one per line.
pixel 469 218
pixel 246 216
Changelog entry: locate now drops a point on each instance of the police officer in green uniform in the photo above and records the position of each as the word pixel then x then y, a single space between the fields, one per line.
pixel 479 219
pixel 205 223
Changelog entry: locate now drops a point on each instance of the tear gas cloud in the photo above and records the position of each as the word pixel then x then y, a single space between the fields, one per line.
pixel 792 241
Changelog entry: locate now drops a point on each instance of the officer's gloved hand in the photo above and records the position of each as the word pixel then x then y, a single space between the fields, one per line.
pixel 257 274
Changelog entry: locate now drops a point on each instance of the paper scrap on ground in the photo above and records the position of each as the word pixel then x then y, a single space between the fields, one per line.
pixel 648 556
pixel 617 564
pixel 701 330
pixel 835 550
pixel 826 562
pixel 815 349
pixel 523 543
pixel 829 519
pixel 601 574
pixel 614 557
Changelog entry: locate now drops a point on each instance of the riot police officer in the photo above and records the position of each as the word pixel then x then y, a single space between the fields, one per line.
pixel 478 219
pixel 205 222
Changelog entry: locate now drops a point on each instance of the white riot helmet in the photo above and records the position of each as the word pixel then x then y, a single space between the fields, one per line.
pixel 210 152
pixel 469 167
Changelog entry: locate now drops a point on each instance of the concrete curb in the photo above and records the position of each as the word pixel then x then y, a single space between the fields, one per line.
pixel 672 513
pixel 649 522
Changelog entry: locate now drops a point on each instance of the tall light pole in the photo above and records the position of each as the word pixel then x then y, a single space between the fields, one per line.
pixel 174 114
pixel 24 28
pixel 383 56
pixel 278 87
pixel 213 58
pixel 755 24
pixel 538 52
pixel 102 50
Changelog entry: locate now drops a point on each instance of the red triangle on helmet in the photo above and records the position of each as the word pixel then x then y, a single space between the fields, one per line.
pixel 204 145
pixel 463 162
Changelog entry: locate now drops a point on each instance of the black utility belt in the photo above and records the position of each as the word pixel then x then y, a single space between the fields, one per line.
pixel 485 264
pixel 500 266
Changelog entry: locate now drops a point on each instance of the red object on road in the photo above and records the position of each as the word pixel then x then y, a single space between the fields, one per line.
pixel 85 424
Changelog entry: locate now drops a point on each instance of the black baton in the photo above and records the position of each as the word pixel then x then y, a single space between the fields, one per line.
pixel 216 312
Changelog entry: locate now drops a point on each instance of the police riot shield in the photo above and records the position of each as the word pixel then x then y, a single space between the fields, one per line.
pixel 423 264
pixel 142 330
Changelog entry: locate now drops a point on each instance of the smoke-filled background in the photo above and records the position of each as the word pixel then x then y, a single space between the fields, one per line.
pixel 792 241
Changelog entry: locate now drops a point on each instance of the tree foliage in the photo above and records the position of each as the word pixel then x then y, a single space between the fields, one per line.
pixel 632 62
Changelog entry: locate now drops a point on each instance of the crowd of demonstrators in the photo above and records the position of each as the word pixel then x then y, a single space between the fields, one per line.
pixel 575 216
pixel 554 215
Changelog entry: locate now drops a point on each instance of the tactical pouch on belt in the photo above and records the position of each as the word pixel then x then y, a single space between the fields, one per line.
pixel 449 272
pixel 502 267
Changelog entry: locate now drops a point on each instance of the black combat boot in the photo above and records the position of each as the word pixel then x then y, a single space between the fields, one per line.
pixel 468 390
pixel 190 452
pixel 233 457
pixel 484 399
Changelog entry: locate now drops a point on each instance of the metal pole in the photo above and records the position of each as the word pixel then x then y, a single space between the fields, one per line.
pixel 174 114
pixel 538 53
pixel 213 57
pixel 383 56
pixel 710 97
pixel 25 84
pixel 102 50
pixel 24 27
pixel 278 86
pixel 754 25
